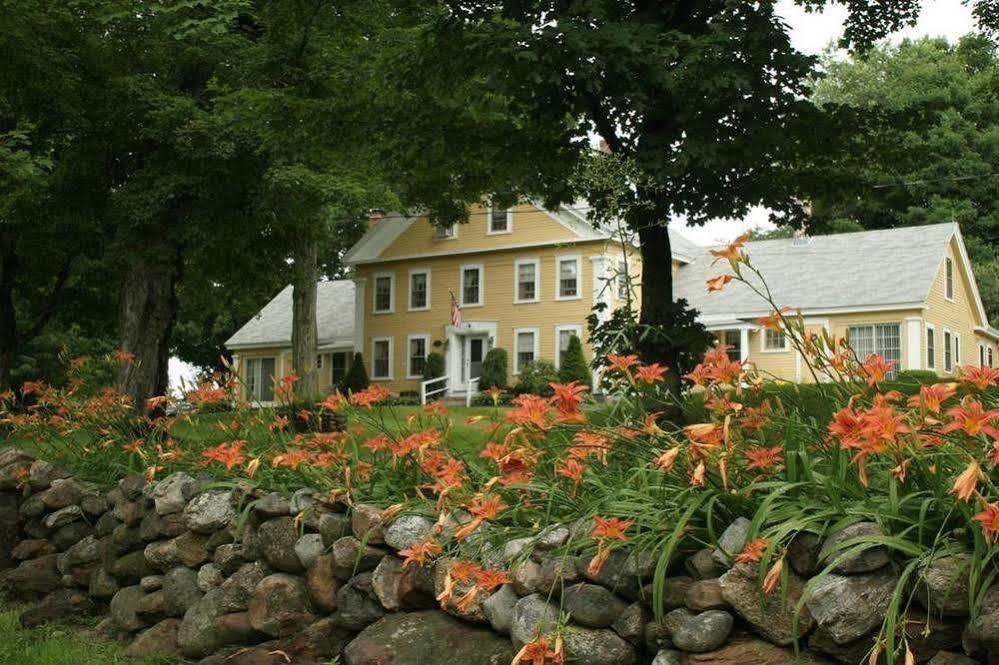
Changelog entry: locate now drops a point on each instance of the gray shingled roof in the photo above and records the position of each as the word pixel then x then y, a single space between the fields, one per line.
pixel 850 270
pixel 272 325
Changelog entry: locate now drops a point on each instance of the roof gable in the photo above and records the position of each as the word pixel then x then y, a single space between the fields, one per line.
pixel 272 324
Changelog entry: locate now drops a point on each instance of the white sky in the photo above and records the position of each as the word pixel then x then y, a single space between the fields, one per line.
pixel 810 33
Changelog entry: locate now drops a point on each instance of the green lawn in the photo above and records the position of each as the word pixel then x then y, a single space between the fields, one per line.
pixel 56 644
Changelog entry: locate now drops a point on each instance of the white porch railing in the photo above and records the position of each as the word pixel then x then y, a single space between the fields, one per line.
pixel 426 391
pixel 472 389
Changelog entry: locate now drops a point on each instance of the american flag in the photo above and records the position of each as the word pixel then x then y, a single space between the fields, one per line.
pixel 455 311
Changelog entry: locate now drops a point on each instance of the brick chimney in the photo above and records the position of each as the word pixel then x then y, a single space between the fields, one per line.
pixel 375 216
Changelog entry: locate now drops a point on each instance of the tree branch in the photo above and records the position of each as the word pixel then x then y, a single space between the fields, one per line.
pixel 53 300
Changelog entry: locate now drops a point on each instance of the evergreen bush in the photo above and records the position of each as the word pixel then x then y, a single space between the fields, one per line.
pixel 434 366
pixel 573 364
pixel 535 377
pixel 357 377
pixel 494 370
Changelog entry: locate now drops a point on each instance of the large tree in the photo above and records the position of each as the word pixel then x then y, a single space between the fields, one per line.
pixel 703 105
pixel 929 149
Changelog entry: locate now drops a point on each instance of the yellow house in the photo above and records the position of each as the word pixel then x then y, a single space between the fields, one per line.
pixel 525 279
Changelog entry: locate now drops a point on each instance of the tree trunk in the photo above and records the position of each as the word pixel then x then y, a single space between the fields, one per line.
pixel 8 317
pixel 147 314
pixel 304 328
pixel 658 309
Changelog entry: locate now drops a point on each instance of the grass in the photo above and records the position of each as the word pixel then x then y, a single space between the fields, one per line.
pixel 57 644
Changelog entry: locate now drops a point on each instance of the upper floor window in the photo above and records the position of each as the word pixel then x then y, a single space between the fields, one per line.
pixel 568 277
pixel 471 285
pixel 622 279
pixel 444 232
pixel 384 287
pixel 774 340
pixel 500 220
pixel 526 276
pixel 948 351
pixel 949 278
pixel 931 348
pixel 419 289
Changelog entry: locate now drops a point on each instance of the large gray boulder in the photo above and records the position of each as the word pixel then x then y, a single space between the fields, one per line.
pixel 943 585
pixel 863 561
pixel 277 539
pixel 429 636
pixel 592 605
pixel 698 633
pixel 850 606
pixel 280 605
pixel 767 613
pixel 731 542
pixel 407 530
pixel 210 511
pixel 172 493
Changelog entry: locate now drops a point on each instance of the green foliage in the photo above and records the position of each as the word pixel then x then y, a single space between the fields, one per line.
pixel 357 376
pixel 434 368
pixel 920 376
pixel 494 370
pixel 922 148
pixel 573 365
pixel 536 376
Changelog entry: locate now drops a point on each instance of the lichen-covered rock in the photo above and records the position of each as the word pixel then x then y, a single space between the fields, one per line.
pixel 210 511
pixel 180 591
pixel 702 564
pixel 322 584
pixel 419 638
pixel 124 608
pixel 596 646
pixel 210 576
pixel 669 657
pixel 357 604
pixel 34 576
pixel 752 651
pixel 308 548
pixel 235 593
pixel 767 613
pixel 624 572
pixel 499 609
pixel 32 548
pixel 951 658
pixel 280 605
pixel 157 527
pixel 943 585
pixel 151 607
pixel 130 568
pixel 592 605
pixel 850 606
pixel 407 530
pixel 277 538
pixel 532 615
pixel 630 624
pixel 332 527
pixel 229 558
pixel 864 561
pixel 63 516
pixel 159 640
pixel 527 577
pixel 172 493
pixel 698 633
pixel 731 542
pixel 367 524
pixel 705 595
pixel 350 556
pixel 102 585
pixel 197 635
pixel 271 505
pixel 557 572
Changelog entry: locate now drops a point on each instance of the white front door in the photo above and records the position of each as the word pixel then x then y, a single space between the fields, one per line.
pixel 473 350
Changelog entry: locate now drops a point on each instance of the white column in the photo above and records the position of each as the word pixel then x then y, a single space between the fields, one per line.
pixel 359 303
pixel 743 345
pixel 913 342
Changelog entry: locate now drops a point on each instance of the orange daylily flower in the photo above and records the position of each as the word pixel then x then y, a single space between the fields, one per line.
pixel 622 364
pixel 753 551
pixel 668 459
pixel 966 483
pixel 718 282
pixel 419 553
pixel 731 251
pixel 876 368
pixel 979 377
pixel 988 519
pixel 972 419
pixel 763 458
pixel 772 580
pixel 538 652
pixel 651 374
pixel 567 396
pixel 932 396
pixel 227 454
pixel 610 527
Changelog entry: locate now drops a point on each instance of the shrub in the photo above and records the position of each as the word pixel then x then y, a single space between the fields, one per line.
pixel 434 367
pixel 535 377
pixel 918 375
pixel 357 377
pixel 494 370
pixel 573 364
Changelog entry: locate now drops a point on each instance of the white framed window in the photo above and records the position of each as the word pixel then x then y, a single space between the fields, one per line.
pixel 472 285
pixel 981 355
pixel 526 280
pixel 525 347
pixel 339 361
pixel 416 355
pixel 622 279
pixel 948 343
pixel 446 232
pixel 931 346
pixel 383 294
pixel 419 289
pixel 991 358
pixel 564 333
pixel 568 270
pixel 500 220
pixel 883 339
pixel 381 358
pixel 773 341
pixel 957 349
pixel 260 379
pixel 949 278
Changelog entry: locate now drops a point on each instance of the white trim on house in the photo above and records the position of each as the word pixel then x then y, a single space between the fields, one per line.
pixel 409 354
pixel 603 284
pixel 559 260
pixel 516 346
pixel 443 233
pixel 409 289
pixel 374 292
pixel 914 346
pixel 489 222
pixel 359 296
pixel 461 284
pixel 391 358
pixel 559 329
pixel 536 262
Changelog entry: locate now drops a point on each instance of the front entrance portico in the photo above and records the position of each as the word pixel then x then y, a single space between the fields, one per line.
pixel 466 347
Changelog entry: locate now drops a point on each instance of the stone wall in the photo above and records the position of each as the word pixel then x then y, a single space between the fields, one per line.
pixel 231 575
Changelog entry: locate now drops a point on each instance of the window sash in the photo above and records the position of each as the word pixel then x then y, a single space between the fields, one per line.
pixel 442 232
pixel 949 287
pixel 383 294
pixel 733 339
pixel 774 340
pixel 499 221
pixel 948 352
pixel 568 278
pixel 931 348
pixel 260 378
pixel 882 339
pixel 526 341
pixel 381 362
pixel 470 282
pixel 418 290
pixel 417 356
pixel 527 281
pixel 338 367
